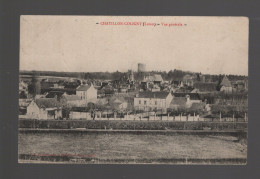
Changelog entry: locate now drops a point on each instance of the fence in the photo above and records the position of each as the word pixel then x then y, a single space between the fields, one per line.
pixel 131 125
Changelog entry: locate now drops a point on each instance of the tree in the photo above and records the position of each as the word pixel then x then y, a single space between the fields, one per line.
pixel 35 86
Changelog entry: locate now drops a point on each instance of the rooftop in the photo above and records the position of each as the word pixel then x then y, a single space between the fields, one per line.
pixel 193 96
pixel 71 97
pixel 154 77
pixel 53 94
pixel 225 82
pixel 149 94
pixel 47 103
pixel 205 87
pixel 83 87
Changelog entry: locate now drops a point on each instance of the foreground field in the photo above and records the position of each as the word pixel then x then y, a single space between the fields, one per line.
pixel 130 148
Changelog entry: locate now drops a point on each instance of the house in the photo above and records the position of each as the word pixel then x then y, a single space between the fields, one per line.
pixel 155 88
pixel 152 79
pixel 148 101
pixel 240 85
pixel 225 85
pixel 44 108
pixel 178 102
pixel 87 93
pixel 72 100
pixel 189 80
pixel 157 79
pixel 107 90
pixel 201 78
pixel 184 102
pixel 23 104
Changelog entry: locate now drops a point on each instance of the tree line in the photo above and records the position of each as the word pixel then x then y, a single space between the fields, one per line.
pixel 171 75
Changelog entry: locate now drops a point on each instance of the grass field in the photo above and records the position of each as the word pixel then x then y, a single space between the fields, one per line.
pixel 125 147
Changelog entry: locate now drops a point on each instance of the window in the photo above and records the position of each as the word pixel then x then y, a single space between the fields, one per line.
pixel 155 102
pixel 140 102
pixel 144 102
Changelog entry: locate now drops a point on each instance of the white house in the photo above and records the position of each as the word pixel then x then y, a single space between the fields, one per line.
pixel 44 108
pixel 87 93
pixel 149 101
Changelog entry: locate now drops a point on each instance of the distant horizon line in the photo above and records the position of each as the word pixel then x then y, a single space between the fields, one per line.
pixel 187 71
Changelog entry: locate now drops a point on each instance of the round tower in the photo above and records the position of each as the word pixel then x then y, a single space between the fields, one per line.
pixel 141 67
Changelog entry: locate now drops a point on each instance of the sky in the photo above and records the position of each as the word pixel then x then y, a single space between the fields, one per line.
pixel 210 45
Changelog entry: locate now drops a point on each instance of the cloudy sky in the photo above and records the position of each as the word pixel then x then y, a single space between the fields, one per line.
pixel 212 45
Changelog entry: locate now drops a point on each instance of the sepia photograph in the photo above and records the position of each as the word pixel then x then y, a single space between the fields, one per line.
pixel 133 90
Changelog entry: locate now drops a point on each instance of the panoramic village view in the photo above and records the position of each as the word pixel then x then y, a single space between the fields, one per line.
pixel 146 104
pixel 105 90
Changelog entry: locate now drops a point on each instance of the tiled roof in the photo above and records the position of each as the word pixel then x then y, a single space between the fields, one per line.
pixel 83 87
pixel 208 87
pixel 183 90
pixel 47 102
pixel 158 78
pixel 71 97
pixel 154 77
pixel 225 82
pixel 148 94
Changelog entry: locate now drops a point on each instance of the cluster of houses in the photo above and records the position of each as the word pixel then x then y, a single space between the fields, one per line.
pixel 96 98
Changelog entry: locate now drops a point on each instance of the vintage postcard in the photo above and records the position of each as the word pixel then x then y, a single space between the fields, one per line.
pixel 133 90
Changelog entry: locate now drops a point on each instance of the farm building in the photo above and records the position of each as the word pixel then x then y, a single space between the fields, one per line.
pixel 44 108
